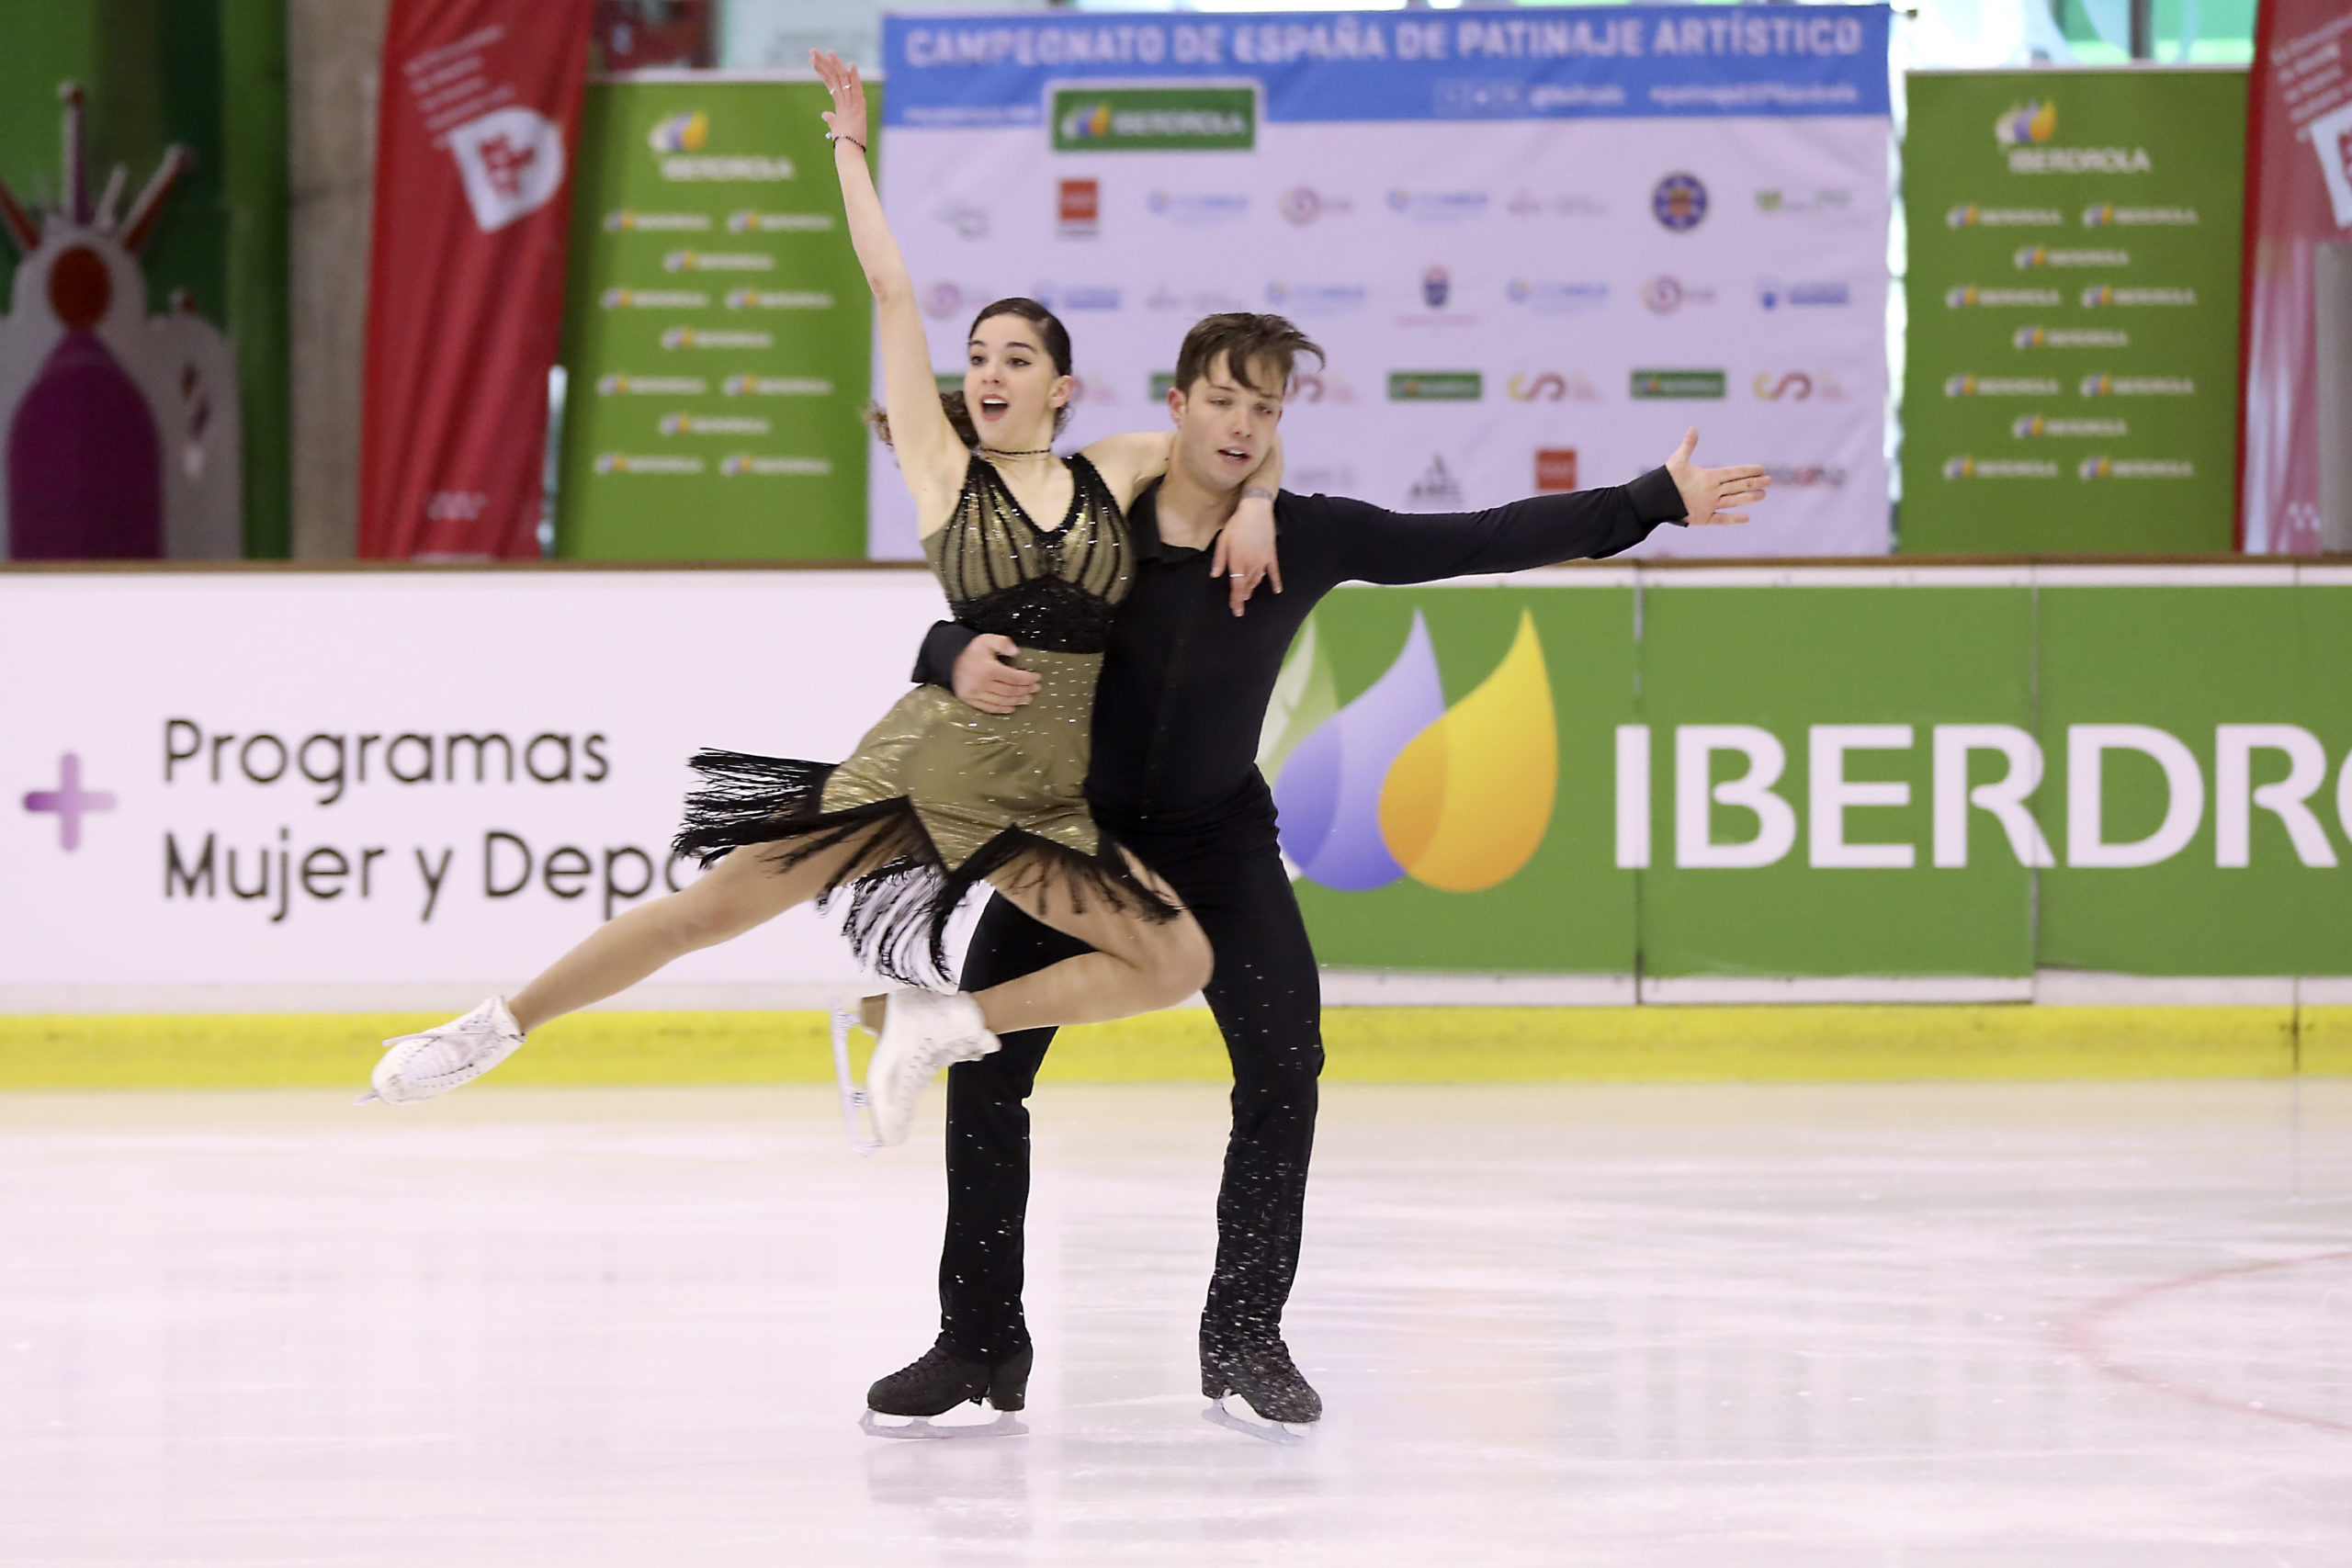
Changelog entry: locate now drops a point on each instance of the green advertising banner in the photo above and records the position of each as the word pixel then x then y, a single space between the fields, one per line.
pixel 1828 700
pixel 2071 375
pixel 1948 774
pixel 717 337
pixel 2210 840
pixel 1488 846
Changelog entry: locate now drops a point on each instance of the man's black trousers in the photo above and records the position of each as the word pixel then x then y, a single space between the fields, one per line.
pixel 1267 1001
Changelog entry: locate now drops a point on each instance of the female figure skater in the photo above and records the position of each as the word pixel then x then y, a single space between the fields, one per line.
pixel 939 795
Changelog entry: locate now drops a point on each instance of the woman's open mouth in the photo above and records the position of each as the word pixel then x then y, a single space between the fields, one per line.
pixel 992 407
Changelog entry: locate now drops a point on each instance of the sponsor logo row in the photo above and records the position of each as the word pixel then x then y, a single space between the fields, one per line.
pixel 2098 296
pixel 2099 384
pixel 2097 467
pixel 1439 299
pixel 1554 469
pixel 734 465
pixel 1436 489
pixel 2069 337
pixel 2098 215
pixel 1464 385
pixel 1325 385
pixel 1680 202
pixel 744 220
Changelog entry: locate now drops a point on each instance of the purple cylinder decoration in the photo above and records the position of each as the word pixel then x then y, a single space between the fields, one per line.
pixel 86 463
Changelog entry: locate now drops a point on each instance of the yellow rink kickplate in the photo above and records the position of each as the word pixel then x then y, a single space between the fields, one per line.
pixel 1632 1044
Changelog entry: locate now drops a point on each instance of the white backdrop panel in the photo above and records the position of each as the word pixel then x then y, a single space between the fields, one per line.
pixel 598 685
pixel 1518 254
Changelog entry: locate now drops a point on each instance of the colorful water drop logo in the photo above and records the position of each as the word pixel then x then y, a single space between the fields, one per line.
pixel 2029 124
pixel 1328 793
pixel 1086 122
pixel 1305 698
pixel 1397 784
pixel 1467 801
pixel 687 132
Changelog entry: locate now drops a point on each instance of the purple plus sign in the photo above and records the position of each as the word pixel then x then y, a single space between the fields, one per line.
pixel 69 800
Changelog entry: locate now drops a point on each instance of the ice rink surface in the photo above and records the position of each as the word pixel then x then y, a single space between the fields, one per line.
pixel 2032 1327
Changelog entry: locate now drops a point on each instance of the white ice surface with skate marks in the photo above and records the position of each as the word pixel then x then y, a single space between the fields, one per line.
pixel 1921 1327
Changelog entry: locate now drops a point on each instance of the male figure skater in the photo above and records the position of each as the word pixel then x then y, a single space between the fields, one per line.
pixel 1177 714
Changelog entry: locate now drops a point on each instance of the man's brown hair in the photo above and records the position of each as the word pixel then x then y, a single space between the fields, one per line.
pixel 1247 342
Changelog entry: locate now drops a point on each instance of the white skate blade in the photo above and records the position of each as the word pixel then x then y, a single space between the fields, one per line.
pixel 922 1428
pixel 860 1128
pixel 368 1096
pixel 1288 1433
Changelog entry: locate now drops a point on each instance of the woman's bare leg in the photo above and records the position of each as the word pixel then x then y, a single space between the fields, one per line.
pixel 1138 965
pixel 742 891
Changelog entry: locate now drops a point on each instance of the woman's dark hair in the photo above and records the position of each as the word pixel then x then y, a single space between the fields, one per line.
pixel 951 402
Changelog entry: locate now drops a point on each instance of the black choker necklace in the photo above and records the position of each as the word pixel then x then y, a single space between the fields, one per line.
pixel 1032 452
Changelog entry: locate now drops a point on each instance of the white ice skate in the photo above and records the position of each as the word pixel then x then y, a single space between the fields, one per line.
pixel 921 1033
pixel 419 1066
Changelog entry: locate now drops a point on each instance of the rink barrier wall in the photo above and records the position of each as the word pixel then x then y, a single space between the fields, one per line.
pixel 207 833
pixel 1776 1043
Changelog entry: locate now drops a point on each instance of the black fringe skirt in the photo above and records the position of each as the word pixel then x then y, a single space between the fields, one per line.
pixel 938 798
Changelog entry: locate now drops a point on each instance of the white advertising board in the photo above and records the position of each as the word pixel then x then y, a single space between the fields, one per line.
pixel 1537 246
pixel 345 790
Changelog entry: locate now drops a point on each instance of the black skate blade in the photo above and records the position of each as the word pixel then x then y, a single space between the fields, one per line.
pixel 921 1429
pixel 1288 1433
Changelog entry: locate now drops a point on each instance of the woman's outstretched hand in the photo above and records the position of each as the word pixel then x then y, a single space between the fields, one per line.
pixel 846 119
pixel 1244 555
pixel 1710 495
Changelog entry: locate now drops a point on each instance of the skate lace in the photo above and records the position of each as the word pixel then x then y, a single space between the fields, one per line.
pixel 449 1051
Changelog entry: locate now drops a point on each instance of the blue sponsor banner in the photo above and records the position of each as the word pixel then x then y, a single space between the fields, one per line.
pixel 1614 61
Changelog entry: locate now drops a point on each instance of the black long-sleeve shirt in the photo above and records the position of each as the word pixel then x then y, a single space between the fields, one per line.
pixel 1185 683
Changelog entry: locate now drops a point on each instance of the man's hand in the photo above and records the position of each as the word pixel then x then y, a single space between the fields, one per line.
pixel 1245 554
pixel 1710 494
pixel 984 681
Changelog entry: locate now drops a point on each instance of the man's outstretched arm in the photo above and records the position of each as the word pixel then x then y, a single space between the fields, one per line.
pixel 1379 545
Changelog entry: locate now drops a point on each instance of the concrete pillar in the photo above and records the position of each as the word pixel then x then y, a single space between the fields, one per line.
pixel 334 49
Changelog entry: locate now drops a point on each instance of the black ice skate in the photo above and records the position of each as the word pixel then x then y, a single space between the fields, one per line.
pixel 1285 1405
pixel 936 1383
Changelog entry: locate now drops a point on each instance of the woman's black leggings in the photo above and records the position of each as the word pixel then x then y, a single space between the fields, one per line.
pixel 1268 1002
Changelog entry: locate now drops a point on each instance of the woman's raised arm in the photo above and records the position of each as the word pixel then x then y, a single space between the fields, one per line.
pixel 930 456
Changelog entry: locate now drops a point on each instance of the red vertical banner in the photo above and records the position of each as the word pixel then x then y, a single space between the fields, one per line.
pixel 478 113
pixel 2298 197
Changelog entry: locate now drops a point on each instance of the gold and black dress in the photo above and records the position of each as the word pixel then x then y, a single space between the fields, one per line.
pixel 947 796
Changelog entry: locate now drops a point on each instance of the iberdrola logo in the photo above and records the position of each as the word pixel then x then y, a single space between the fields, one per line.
pixel 1396 784
pixel 1086 122
pixel 2030 125
pixel 687 132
